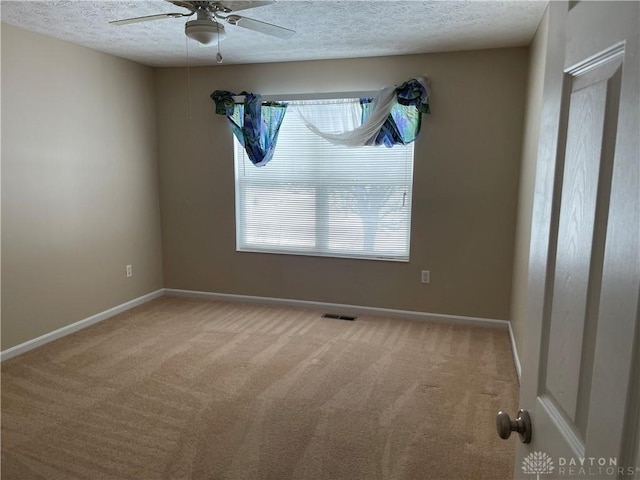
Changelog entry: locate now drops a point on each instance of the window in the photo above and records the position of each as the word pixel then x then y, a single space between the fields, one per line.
pixel 316 198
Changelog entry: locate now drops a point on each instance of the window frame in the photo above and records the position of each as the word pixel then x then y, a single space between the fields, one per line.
pixel 244 246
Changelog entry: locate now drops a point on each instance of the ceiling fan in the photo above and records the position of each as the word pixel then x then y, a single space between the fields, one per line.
pixel 207 27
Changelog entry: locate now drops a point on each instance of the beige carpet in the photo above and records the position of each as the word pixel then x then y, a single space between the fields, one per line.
pixel 185 388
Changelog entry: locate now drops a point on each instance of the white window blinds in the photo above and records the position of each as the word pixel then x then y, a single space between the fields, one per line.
pixel 315 198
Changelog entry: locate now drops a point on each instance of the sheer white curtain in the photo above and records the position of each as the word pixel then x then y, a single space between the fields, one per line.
pixel 346 128
pixel 343 126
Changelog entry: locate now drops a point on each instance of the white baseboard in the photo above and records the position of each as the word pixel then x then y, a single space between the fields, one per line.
pixel 514 351
pixel 343 308
pixel 74 327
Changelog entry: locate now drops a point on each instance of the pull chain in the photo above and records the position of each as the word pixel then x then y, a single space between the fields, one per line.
pixel 218 55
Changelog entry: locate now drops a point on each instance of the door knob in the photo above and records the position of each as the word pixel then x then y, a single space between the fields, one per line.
pixel 522 425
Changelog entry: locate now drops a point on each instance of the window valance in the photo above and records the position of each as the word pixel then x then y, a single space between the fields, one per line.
pixel 404 120
pixel 254 123
pixel 392 117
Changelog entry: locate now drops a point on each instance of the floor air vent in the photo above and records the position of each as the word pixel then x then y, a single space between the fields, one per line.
pixel 338 317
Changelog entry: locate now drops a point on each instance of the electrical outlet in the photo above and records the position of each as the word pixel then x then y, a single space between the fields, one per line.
pixel 426 276
pixel 129 271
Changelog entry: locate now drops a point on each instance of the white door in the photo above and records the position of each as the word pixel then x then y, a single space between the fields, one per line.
pixel 581 364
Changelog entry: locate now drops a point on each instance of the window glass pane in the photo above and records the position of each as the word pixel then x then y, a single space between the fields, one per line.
pixel 278 216
pixel 316 198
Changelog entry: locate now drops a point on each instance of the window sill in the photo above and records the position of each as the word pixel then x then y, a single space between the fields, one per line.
pixel 303 253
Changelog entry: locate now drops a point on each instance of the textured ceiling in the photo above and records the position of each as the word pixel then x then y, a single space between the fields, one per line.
pixel 325 29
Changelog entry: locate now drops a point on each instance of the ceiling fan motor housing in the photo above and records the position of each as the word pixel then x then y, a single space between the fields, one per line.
pixel 205 31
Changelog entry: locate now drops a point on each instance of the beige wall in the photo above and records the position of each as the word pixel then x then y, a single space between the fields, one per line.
pixel 465 185
pixel 527 178
pixel 79 184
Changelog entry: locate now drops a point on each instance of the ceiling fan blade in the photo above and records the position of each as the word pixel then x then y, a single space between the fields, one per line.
pixel 235 5
pixel 147 18
pixel 258 26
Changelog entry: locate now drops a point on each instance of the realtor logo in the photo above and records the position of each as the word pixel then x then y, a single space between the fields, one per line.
pixel 537 463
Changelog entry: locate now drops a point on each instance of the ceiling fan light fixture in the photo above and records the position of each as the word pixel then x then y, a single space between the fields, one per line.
pixel 205 31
